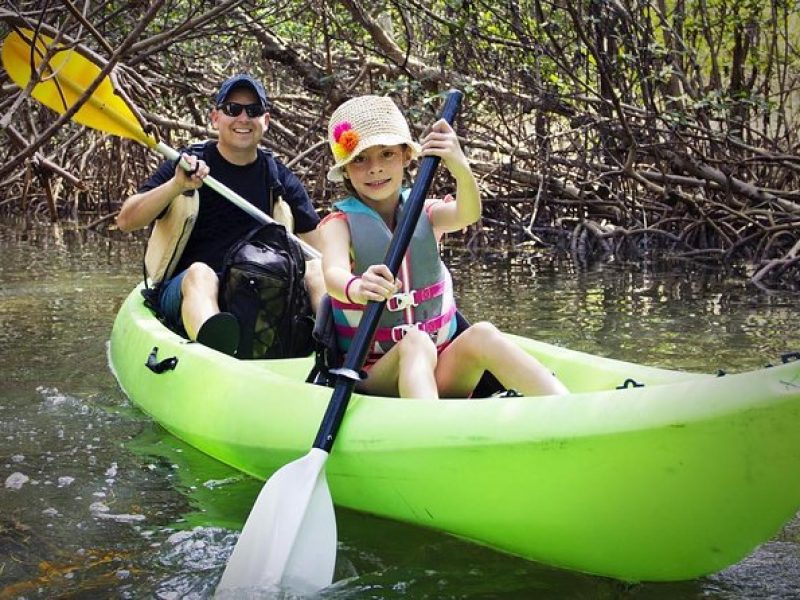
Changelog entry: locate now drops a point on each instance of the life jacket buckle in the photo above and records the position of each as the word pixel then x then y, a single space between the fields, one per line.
pixel 401 301
pixel 400 331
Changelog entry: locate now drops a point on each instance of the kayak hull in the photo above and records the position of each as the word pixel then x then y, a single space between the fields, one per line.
pixel 673 480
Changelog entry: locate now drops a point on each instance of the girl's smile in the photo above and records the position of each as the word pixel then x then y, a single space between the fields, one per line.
pixel 377 184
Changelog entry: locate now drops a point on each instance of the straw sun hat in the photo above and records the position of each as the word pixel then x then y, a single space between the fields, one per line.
pixel 364 122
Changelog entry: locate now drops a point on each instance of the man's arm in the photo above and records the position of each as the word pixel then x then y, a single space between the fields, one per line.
pixel 141 209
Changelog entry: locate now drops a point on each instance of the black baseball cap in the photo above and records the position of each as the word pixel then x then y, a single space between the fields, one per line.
pixel 242 81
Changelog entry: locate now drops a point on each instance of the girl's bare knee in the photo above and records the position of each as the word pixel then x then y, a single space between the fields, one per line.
pixel 481 338
pixel 417 343
pixel 484 330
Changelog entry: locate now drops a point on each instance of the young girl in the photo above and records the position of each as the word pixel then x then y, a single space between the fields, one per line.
pixel 414 353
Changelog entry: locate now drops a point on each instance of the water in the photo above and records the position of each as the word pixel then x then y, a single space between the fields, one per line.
pixel 97 501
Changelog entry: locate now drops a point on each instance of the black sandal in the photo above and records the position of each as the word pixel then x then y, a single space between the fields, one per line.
pixel 220 332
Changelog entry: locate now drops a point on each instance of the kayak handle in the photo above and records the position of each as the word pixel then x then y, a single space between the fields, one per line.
pixel 629 383
pixel 790 356
pixel 158 367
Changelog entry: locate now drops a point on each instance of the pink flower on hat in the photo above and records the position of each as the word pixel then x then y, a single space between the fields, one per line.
pixel 346 140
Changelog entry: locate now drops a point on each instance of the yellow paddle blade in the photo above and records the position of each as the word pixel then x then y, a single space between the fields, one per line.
pixel 66 77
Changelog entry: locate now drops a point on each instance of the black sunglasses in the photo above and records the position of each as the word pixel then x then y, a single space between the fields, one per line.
pixel 234 109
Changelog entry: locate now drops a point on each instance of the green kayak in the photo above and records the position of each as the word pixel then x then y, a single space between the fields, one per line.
pixel 673 480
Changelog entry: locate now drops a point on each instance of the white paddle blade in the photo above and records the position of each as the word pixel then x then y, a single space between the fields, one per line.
pixel 289 538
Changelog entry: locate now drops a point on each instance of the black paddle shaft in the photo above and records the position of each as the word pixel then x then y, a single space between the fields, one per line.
pixel 357 354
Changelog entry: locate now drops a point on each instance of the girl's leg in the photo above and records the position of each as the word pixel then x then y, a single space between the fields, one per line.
pixel 405 371
pixel 483 347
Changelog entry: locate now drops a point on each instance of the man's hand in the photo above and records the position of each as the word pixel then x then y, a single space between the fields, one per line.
pixel 193 178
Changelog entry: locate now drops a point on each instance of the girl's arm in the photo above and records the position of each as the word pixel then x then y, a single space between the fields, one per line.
pixel 376 283
pixel 452 216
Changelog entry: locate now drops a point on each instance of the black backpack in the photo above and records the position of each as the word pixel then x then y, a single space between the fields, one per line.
pixel 262 284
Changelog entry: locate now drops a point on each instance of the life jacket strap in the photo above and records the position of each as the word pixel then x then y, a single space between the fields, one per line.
pixel 398 332
pixel 402 300
pixel 415 297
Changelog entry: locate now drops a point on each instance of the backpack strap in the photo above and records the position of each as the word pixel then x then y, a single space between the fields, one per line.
pixel 274 184
pixel 197 149
pixel 279 209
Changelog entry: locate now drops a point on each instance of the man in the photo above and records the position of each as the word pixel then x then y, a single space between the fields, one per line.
pixel 189 299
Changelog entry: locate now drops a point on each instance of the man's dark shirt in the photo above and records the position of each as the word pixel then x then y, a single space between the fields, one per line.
pixel 220 223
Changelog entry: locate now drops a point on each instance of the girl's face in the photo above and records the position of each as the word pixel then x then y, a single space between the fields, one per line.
pixel 377 172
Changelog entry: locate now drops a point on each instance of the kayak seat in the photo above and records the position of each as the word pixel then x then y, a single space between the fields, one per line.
pixel 327 355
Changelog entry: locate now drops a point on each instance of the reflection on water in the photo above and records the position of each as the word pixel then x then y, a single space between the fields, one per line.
pixel 97 501
pixel 697 320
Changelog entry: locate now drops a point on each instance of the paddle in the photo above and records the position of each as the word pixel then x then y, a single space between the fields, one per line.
pixel 66 79
pixel 289 538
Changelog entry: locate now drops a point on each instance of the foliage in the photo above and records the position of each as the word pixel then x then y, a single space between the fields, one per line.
pixel 605 128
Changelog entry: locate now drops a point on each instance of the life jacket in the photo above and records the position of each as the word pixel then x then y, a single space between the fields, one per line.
pixel 426 301
pixel 328 358
pixel 172 230
pixel 169 237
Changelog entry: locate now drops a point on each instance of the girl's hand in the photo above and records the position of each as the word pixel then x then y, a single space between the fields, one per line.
pixel 375 284
pixel 442 141
pixel 466 210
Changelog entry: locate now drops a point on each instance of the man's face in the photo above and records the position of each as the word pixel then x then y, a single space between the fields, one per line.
pixel 239 133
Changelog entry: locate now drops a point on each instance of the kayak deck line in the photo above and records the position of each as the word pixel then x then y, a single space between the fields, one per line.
pixel 674 480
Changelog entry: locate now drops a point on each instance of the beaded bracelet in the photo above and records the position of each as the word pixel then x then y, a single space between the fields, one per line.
pixel 347 288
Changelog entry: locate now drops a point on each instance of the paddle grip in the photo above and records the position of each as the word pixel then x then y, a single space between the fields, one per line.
pixel 398 246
